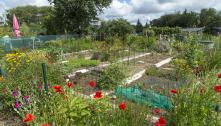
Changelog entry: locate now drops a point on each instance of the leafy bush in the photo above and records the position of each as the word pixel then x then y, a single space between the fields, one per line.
pixel 111 77
pixel 161 47
pixel 188 55
pixel 143 43
pixel 71 45
pixel 213 57
pixel 166 30
pixel 5 31
pixel 53 54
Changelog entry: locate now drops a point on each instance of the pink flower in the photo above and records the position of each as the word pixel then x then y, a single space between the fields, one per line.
pixel 17 105
pixel 15 93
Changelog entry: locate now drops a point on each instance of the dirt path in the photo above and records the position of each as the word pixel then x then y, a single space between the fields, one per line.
pixel 7 119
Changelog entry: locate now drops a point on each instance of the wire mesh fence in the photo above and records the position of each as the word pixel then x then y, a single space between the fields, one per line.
pixel 31 42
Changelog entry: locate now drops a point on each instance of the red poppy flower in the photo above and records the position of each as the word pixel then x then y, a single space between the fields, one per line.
pixel 122 106
pixel 217 88
pixel 161 122
pixel 156 111
pixel 219 75
pixel 45 125
pixel 57 88
pixel 98 95
pixel 173 91
pixel 92 83
pixel 70 84
pixel 28 118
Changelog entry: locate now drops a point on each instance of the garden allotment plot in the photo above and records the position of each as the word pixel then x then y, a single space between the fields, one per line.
pixel 132 67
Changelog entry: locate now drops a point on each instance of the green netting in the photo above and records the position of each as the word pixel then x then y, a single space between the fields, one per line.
pixel 147 97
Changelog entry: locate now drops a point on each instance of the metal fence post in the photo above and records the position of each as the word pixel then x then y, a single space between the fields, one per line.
pixel 44 76
pixel 2 73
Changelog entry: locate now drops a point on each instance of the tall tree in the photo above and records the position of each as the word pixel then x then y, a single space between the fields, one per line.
pixel 210 18
pixel 206 16
pixel 146 25
pixel 139 27
pixel 28 14
pixel 75 15
pixel 119 27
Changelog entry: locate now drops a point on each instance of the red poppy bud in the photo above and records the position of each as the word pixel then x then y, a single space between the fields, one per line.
pixel 122 106
pixel 173 91
pixel 69 84
pixel 92 83
pixel 156 111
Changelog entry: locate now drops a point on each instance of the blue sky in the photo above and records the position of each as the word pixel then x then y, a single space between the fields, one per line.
pixel 145 10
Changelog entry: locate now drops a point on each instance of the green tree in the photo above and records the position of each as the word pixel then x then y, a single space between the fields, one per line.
pixel 119 27
pixel 206 16
pixel 139 27
pixel 146 25
pixel 210 18
pixel 74 15
pixel 28 14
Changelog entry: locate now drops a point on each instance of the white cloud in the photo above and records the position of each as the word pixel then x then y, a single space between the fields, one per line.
pixel 132 9
pixel 151 9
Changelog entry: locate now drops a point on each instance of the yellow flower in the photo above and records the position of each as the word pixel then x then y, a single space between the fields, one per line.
pixel 1 78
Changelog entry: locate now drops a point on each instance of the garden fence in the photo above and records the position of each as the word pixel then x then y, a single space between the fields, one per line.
pixel 9 44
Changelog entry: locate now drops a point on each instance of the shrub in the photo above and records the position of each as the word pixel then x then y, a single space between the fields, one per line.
pixel 162 47
pixel 111 77
pixel 166 30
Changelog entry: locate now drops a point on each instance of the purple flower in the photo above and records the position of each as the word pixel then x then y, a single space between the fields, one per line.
pixel 17 105
pixel 14 93
pixel 26 99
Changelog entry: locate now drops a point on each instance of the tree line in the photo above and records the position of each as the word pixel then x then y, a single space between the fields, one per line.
pixel 208 18
pixel 75 17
